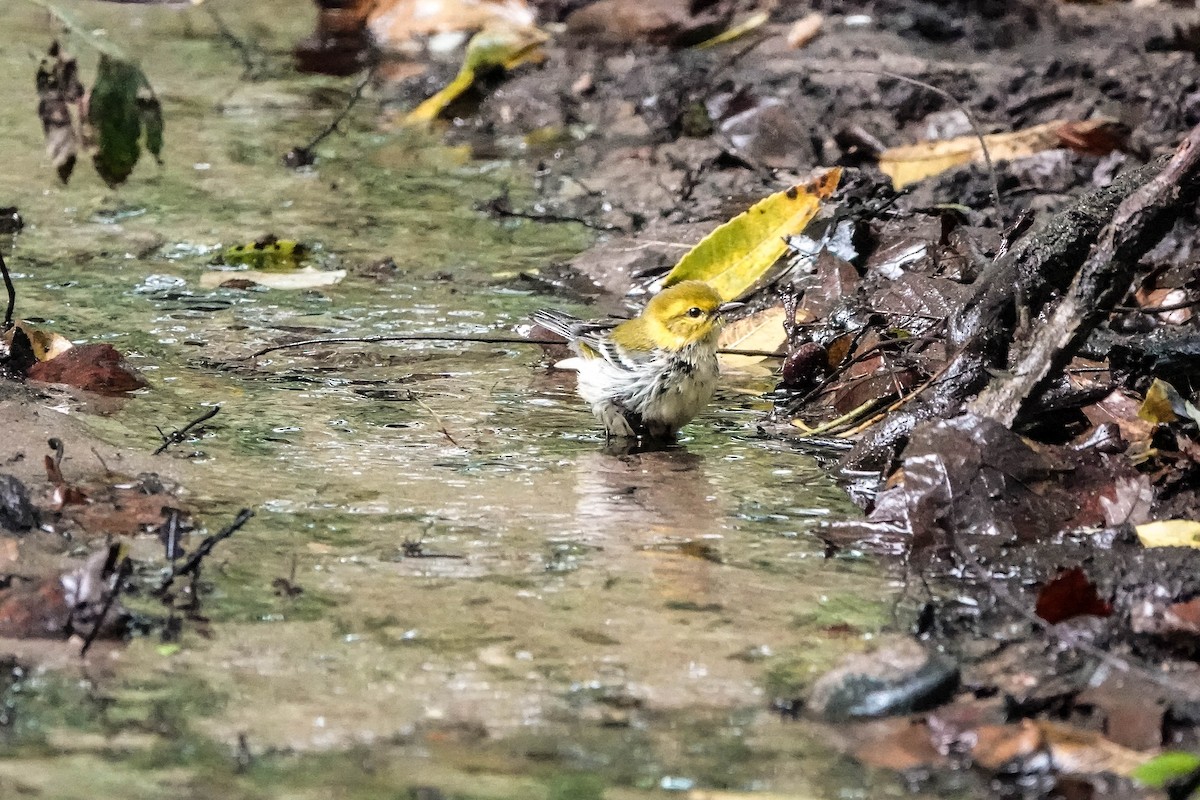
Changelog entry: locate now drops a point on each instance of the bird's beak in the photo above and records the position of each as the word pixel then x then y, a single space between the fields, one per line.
pixel 725 308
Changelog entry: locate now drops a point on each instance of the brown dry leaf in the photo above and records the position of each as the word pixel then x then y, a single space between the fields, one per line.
pixel 59 92
pixel 1080 752
pixel 804 30
pixel 92 367
pixel 762 331
pixel 394 23
pixel 996 745
pixel 911 163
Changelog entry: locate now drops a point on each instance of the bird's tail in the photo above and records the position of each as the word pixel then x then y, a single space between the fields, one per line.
pixel 554 321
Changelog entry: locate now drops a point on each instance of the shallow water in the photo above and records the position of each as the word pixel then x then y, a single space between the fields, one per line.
pixel 582 623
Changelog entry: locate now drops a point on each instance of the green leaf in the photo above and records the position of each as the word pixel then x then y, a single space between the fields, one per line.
pixel 1162 769
pixel 735 257
pixel 121 105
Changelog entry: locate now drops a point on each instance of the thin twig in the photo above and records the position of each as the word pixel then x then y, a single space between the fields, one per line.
pixel 192 565
pixel 441 425
pixel 110 597
pixel 177 437
pixel 303 156
pixel 249 68
pixel 987 156
pixel 12 296
pixel 444 337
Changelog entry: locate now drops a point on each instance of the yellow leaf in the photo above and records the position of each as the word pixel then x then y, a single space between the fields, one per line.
pixel 1157 407
pixel 499 46
pixel 762 331
pixel 735 257
pixel 1169 533
pixel 911 163
pixel 46 345
pixel 736 32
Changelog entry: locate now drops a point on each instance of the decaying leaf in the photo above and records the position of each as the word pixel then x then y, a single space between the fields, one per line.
pixel 1169 533
pixel 306 278
pixel 762 331
pixel 44 344
pixel 911 163
pixel 121 105
pixel 59 91
pixel 393 23
pixel 497 47
pixel 92 367
pixel 1070 594
pixel 735 258
pixel 268 253
pixel 1164 404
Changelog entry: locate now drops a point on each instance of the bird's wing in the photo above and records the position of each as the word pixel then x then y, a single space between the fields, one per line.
pixel 587 337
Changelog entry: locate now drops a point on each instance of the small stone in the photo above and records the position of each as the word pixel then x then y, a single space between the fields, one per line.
pixel 899 677
pixel 16 512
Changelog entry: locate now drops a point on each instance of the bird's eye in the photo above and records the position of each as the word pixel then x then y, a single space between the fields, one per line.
pixel 695 312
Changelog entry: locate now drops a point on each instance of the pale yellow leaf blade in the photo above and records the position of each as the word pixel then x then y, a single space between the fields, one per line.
pixel 912 163
pixel 306 278
pixel 734 258
pixel 735 32
pixel 762 332
pixel 1169 533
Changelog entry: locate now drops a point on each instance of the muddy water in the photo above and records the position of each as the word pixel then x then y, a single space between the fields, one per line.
pixel 492 604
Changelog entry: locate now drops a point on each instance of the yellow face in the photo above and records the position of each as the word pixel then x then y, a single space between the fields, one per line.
pixel 687 312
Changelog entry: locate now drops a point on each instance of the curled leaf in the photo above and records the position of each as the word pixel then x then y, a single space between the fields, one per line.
pixel 121 106
pixel 496 47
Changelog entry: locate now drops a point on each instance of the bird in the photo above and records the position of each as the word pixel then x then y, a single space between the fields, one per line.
pixel 647 377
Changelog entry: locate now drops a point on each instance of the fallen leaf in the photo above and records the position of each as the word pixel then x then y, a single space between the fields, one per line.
pixel 268 253
pixel 735 258
pixel 306 278
pixel 499 47
pixel 804 30
pixel 1161 769
pixel 911 163
pixel 121 107
pixel 1068 595
pixel 1081 752
pixel 393 23
pixel 736 32
pixel 1169 533
pixel 45 345
pixel 59 91
pixel 92 367
pixel 762 331
pixel 1156 408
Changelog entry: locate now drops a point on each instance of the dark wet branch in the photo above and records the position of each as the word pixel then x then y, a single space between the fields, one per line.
pixel 192 565
pixel 177 437
pixel 12 295
pixel 110 597
pixel 1139 223
pixel 303 156
pixel 1028 274
pixel 501 208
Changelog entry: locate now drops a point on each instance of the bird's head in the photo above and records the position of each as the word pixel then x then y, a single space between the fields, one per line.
pixel 684 314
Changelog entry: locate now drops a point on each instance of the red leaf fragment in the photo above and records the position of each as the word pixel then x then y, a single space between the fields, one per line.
pixel 1070 594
